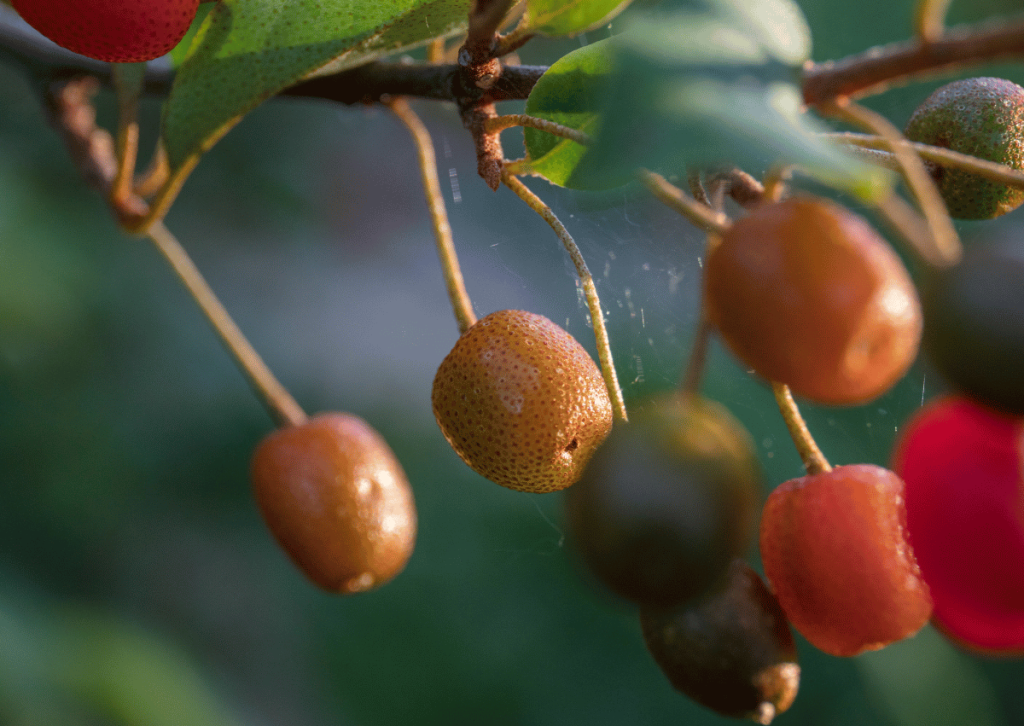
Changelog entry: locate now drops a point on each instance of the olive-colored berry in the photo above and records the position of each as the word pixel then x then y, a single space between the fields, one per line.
pixel 667 502
pixel 731 651
pixel 974 324
pixel 336 499
pixel 836 551
pixel 521 402
pixel 983 117
pixel 806 293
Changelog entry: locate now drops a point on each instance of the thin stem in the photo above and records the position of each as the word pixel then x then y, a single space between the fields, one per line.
pixel 500 123
pixel 279 403
pixel 920 182
pixel 776 182
pixel 672 196
pixel 604 349
pixel 128 80
pixel 814 461
pixel 930 19
pixel 155 175
pixel 993 171
pixel 453 281
pixel 690 383
pixel 912 228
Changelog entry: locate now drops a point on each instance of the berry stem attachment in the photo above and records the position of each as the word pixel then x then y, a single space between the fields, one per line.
pixel 814 461
pixel 279 403
pixel 604 349
pixel 672 196
pixel 913 169
pixel 453 280
pixel 498 124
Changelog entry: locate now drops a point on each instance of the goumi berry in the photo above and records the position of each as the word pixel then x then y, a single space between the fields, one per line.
pixel 337 500
pixel 806 293
pixel 983 117
pixel 835 550
pixel 521 401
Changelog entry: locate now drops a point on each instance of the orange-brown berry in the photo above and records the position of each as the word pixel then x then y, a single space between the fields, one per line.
pixel 336 499
pixel 521 401
pixel 806 293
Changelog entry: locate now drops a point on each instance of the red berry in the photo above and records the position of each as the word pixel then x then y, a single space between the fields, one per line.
pixel 963 465
pixel 806 293
pixel 834 547
pixel 337 500
pixel 119 31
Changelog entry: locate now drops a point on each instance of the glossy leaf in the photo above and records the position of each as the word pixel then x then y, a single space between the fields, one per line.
pixel 248 50
pixel 571 17
pixel 570 93
pixel 696 89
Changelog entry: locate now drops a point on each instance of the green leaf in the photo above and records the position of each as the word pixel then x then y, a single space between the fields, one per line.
pixel 570 17
pixel 181 49
pixel 133 676
pixel 248 50
pixel 572 93
pixel 777 25
pixel 697 89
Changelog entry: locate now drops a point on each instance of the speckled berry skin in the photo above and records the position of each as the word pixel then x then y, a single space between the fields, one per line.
pixel 336 499
pixel 118 31
pixel 983 117
pixel 521 402
pixel 836 551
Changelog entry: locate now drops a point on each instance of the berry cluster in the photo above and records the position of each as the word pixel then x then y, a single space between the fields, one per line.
pixel 806 294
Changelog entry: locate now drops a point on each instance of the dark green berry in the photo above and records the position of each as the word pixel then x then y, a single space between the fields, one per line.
pixel 974 324
pixel 667 502
pixel 732 651
pixel 983 117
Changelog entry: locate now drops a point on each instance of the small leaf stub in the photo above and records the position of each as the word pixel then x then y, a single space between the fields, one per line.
pixel 732 651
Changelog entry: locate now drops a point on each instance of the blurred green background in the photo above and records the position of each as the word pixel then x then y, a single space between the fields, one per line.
pixel 137 583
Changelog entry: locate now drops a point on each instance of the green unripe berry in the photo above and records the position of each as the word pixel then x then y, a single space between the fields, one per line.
pixel 983 117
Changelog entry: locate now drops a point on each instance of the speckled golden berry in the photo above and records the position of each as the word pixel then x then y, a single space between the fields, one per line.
pixel 521 401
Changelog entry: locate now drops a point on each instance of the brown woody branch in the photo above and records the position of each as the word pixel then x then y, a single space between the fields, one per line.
pixel 876 69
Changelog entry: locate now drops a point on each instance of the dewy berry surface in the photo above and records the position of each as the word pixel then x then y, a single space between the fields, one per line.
pixel 335 497
pixel 806 293
pixel 522 402
pixel 835 550
pixel 962 464
pixel 119 31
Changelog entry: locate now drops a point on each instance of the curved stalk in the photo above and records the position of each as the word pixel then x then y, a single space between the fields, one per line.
pixel 604 349
pixel 814 461
pixel 279 403
pixel 453 280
